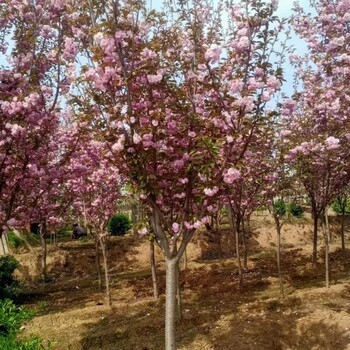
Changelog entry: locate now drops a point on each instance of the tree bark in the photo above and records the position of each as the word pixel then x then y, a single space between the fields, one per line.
pixel 326 242
pixel 153 270
pixel 314 254
pixel 105 264
pixel 43 251
pixel 342 233
pixel 245 249
pixel 330 236
pixel 278 230
pixel 234 226
pixel 98 262
pixel 239 265
pixel 4 244
pixel 170 304
pixel 178 293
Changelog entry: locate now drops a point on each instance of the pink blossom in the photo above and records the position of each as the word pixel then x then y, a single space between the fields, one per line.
pixel 332 143
pixel 148 54
pixel 143 231
pixel 197 224
pixel 136 138
pixel 273 82
pixel 211 191
pixel 213 53
pixel 229 139
pixel 155 78
pixel 175 227
pixel 231 175
pixel 119 145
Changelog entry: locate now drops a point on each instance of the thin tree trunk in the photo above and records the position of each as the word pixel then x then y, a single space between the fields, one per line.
pixel 326 242
pixel 314 254
pixel 43 252
pixel 105 264
pixel 329 235
pixel 342 233
pixel 6 238
pixel 234 227
pixel 4 248
pixel 278 230
pixel 170 304
pixel 153 270
pixel 98 262
pixel 245 249
pixel 27 244
pixel 178 293
pixel 239 265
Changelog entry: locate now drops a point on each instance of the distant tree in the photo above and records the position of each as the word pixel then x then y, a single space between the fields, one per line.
pixel 317 120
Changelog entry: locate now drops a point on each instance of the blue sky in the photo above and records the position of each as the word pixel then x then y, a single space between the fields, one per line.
pixel 285 10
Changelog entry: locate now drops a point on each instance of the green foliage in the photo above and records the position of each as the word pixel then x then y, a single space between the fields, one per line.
pixel 64 231
pixel 14 240
pixel 11 319
pixel 119 225
pixel 8 282
pixel 337 206
pixel 295 209
pixel 11 343
pixel 280 207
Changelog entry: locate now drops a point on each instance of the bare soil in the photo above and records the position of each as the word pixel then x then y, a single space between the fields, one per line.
pixel 217 314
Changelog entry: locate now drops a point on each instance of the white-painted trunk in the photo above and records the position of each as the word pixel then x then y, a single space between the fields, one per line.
pixel 170 305
pixel 4 248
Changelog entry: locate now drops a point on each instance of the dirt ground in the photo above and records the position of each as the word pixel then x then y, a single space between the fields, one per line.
pixel 217 314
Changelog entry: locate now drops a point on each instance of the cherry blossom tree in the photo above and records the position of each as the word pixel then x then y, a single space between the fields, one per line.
pixel 169 92
pixel 96 190
pixel 37 39
pixel 318 126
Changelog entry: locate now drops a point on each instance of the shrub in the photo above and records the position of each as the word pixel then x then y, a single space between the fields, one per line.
pixel 8 282
pixel 280 207
pixel 14 240
pixel 11 319
pixel 119 225
pixel 11 343
pixel 64 231
pixel 337 208
pixel 295 209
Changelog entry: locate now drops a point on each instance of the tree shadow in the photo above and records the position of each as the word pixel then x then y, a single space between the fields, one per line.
pixel 277 331
pixel 208 295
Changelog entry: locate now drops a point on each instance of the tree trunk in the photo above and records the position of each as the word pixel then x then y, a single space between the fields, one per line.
pixel 234 226
pixel 314 254
pixel 4 245
pixel 330 237
pixel 153 270
pixel 98 262
pixel 239 265
pixel 278 230
pixel 178 293
pixel 326 242
pixel 170 304
pixel 105 265
pixel 342 233
pixel 245 249
pixel 43 251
